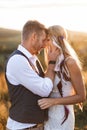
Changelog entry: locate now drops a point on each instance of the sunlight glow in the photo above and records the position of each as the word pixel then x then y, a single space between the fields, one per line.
pixel 71 15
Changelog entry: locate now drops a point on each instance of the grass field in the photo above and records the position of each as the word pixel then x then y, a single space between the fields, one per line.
pixel 81 117
pixel 9 41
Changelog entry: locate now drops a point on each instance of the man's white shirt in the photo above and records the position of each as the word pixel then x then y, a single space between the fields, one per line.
pixel 19 71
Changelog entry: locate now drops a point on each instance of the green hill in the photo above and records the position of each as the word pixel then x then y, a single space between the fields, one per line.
pixel 9 39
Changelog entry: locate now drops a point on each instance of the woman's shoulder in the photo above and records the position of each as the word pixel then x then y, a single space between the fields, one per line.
pixel 70 61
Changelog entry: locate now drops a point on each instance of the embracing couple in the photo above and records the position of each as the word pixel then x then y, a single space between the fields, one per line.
pixel 43 100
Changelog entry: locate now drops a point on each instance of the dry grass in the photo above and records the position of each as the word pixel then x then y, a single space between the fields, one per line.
pixel 4 105
pixel 81 118
pixel 3 114
pixel 9 39
pixel 3 86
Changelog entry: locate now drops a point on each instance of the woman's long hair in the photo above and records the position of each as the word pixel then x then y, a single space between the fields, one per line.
pixel 56 31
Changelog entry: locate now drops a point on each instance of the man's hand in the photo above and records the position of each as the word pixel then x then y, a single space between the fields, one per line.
pixel 46 103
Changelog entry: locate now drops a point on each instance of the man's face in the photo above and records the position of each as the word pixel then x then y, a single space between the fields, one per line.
pixel 41 42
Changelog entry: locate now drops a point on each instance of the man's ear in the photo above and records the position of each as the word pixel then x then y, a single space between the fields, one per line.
pixel 33 36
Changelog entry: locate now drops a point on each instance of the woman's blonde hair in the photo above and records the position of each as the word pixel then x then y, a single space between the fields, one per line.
pixel 57 31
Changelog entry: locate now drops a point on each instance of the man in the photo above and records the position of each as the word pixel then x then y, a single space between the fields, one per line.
pixel 26 82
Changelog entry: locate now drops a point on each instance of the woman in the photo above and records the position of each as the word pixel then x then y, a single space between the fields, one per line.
pixel 68 84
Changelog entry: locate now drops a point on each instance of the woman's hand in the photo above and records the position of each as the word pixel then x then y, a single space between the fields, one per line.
pixel 46 103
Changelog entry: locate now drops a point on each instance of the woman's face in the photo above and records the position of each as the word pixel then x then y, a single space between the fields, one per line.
pixel 50 44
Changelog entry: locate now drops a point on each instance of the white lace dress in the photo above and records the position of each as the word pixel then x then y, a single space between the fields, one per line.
pixel 56 113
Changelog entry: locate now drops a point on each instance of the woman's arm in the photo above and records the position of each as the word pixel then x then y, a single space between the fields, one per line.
pixel 78 84
pixel 77 81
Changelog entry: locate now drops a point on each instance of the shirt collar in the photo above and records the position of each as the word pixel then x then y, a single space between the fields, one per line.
pixel 32 58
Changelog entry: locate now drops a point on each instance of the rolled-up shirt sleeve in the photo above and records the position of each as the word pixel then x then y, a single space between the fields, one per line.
pixel 19 71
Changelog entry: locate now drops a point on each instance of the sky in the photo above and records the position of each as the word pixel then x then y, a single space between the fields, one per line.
pixel 71 14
